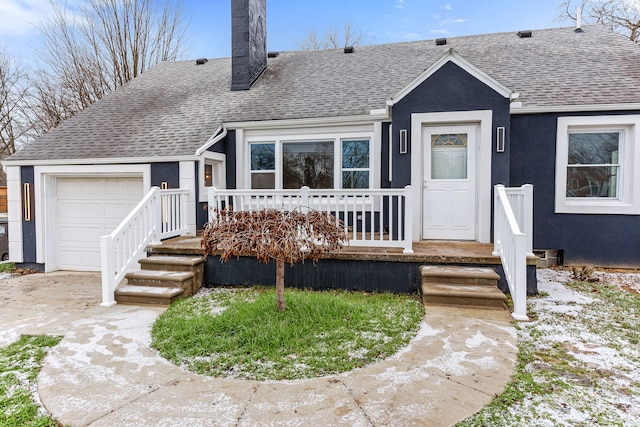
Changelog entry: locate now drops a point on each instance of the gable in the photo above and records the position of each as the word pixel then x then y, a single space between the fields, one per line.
pixel 451 57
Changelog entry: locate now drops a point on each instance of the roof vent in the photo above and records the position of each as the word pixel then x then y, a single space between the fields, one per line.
pixel 201 61
pixel 441 42
pixel 525 34
pixel 272 54
pixel 349 49
pixel 578 20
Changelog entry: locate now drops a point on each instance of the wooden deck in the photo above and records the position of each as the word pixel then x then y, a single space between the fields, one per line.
pixel 429 252
pixel 354 268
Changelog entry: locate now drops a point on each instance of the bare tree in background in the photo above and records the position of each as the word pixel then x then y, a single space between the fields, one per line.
pixel 13 103
pixel 334 38
pixel 284 236
pixel 621 16
pixel 91 51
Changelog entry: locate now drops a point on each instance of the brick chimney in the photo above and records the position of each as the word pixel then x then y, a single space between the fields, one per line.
pixel 248 42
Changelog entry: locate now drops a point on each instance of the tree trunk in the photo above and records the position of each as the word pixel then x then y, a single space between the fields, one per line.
pixel 280 284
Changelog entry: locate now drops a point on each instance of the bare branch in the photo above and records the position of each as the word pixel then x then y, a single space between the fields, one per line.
pixel 621 16
pixel 334 38
pixel 93 50
pixel 269 234
pixel 14 123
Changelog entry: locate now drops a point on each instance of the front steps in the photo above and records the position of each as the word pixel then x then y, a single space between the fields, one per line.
pixel 161 280
pixel 461 287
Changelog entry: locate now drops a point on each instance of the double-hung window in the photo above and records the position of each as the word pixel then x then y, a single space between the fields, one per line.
pixel 356 163
pixel 597 159
pixel 322 163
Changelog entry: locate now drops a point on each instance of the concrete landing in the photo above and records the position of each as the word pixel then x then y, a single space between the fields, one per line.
pixel 103 372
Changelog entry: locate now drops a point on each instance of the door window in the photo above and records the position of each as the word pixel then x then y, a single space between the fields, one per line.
pixel 449 156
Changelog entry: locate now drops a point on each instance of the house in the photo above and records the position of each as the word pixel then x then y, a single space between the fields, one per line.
pixel 556 108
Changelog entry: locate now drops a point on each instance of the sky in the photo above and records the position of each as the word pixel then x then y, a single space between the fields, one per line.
pixel 289 22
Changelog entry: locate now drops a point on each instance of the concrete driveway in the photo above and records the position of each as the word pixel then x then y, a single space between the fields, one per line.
pixel 103 372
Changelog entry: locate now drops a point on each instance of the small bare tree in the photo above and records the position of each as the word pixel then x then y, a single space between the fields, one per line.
pixel 334 38
pixel 621 16
pixel 284 236
pixel 91 51
pixel 13 104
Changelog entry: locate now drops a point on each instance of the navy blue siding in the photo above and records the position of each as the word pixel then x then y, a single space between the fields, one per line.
pixel 168 172
pixel 365 275
pixel 449 89
pixel 28 227
pixel 604 240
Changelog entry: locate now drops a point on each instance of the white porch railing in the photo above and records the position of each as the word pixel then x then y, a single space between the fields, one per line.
pixel 159 215
pixel 376 218
pixel 512 236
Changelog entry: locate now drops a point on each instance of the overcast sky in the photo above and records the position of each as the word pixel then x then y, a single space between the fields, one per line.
pixel 289 21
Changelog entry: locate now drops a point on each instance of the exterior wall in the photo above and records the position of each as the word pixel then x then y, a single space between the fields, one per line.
pixel 188 172
pixel 168 172
pixel 14 207
pixel 603 240
pixel 449 89
pixel 29 237
pixel 366 275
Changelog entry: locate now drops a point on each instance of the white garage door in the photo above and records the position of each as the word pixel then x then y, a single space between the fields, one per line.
pixel 87 209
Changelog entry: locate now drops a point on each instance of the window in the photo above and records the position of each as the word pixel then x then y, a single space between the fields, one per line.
pixel 307 164
pixel 355 163
pixel 212 172
pixel 596 160
pixel 592 164
pixel 319 164
pixel 449 156
pixel 263 165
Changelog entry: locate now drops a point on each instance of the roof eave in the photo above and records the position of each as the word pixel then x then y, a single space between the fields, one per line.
pixel 516 108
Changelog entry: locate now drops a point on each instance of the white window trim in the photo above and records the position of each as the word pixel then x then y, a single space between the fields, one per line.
pixel 628 200
pixel 218 161
pixel 336 135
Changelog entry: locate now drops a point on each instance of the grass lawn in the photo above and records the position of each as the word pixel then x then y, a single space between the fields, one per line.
pixel 20 364
pixel 579 358
pixel 239 333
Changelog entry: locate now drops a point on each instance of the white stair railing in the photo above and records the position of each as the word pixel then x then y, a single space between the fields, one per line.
pixel 511 243
pixel 159 215
pixel 372 217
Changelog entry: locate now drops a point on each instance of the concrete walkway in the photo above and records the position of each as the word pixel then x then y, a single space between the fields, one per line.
pixel 103 372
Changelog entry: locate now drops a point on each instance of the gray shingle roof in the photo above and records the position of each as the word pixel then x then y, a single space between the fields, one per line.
pixel 175 107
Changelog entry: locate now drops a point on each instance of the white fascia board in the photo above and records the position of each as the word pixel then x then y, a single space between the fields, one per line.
pixel 452 56
pixel 574 108
pixel 99 161
pixel 217 136
pixel 319 121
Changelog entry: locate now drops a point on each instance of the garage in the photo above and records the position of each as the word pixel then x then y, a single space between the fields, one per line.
pixel 87 209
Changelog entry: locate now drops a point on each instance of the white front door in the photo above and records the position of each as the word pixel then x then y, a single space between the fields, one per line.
pixel 449 184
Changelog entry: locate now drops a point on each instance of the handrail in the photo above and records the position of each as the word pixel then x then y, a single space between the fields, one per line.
pixel 159 215
pixel 510 243
pixel 372 217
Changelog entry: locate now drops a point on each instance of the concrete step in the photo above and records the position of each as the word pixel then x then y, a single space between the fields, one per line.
pixel 163 279
pixel 147 295
pixel 459 275
pixel 461 287
pixel 193 264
